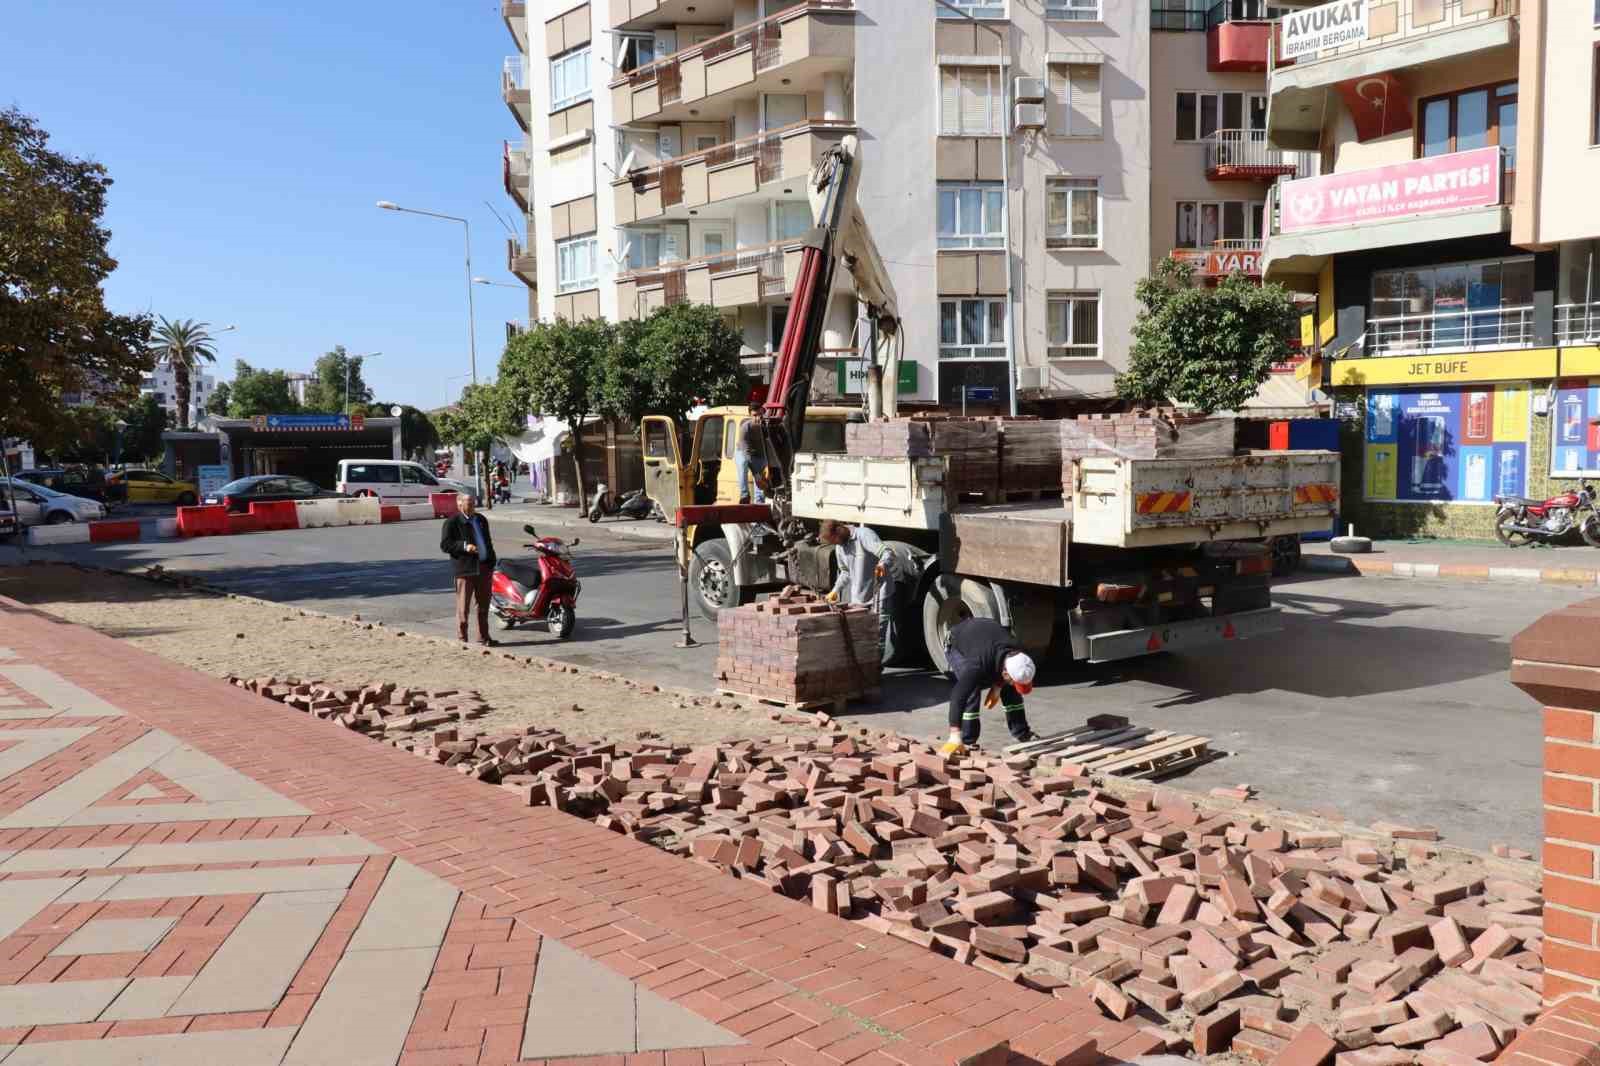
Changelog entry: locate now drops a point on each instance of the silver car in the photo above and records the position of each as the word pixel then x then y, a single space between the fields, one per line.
pixel 36 505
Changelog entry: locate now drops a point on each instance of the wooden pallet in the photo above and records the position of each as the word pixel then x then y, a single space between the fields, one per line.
pixel 832 704
pixel 1123 750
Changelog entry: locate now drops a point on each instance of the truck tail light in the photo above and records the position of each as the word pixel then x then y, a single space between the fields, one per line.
pixel 1256 564
pixel 227 501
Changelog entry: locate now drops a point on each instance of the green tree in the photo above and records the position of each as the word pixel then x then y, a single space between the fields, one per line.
pixel 141 440
pixel 557 369
pixel 221 397
pixel 1207 348
pixel 689 355
pixel 326 391
pixel 183 345
pixel 259 392
pixel 56 336
pixel 417 431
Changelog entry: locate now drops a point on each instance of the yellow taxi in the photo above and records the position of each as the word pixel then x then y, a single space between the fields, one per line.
pixel 152 486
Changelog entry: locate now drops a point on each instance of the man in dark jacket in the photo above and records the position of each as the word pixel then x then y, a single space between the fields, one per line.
pixel 987 665
pixel 465 538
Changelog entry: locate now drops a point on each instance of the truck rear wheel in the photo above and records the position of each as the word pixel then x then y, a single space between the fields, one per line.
pixel 947 601
pixel 711 580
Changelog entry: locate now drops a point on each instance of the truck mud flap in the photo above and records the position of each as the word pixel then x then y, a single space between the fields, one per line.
pixel 1182 636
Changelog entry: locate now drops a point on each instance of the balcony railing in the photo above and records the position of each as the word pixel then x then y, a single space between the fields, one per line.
pixel 765 38
pixel 1405 19
pixel 1578 323
pixel 1240 11
pixel 1176 16
pixel 514 173
pixel 765 148
pixel 512 75
pixel 1439 331
pixel 1244 154
pixel 765 258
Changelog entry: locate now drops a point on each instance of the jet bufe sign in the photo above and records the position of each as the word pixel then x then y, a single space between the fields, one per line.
pixel 1377 194
pixel 1326 26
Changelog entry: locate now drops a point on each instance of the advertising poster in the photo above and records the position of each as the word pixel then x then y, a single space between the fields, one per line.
pixel 1575 428
pixel 1461 444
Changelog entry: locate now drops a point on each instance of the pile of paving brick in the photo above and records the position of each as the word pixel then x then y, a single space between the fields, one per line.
pixel 970 446
pixel 794 648
pixel 379 709
pixel 1215 931
pixel 1145 435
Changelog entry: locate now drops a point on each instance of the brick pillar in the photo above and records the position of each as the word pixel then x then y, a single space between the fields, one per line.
pixel 1557 662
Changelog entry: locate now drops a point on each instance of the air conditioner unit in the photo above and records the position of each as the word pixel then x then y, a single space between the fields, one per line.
pixel 1033 377
pixel 1029 117
pixel 1029 90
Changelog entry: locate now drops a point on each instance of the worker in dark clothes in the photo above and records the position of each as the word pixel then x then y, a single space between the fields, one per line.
pixel 465 538
pixel 987 666
pixel 750 455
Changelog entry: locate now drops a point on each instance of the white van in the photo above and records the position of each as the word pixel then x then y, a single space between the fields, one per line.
pixel 390 480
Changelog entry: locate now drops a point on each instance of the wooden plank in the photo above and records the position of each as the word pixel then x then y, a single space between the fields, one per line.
pixel 1117 741
pixel 1144 755
pixel 1151 740
pixel 1045 741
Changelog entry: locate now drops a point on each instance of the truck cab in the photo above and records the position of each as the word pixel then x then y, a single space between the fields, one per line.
pixel 728 567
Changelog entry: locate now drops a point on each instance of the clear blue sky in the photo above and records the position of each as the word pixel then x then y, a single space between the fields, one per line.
pixel 248 144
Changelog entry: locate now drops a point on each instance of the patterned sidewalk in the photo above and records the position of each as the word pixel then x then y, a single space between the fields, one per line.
pixel 190 874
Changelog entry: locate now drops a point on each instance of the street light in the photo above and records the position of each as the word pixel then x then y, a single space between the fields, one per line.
pixel 497 284
pixel 1005 181
pixel 347 361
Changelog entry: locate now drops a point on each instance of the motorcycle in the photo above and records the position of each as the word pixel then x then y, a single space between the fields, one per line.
pixel 635 505
pixel 542 590
pixel 1521 520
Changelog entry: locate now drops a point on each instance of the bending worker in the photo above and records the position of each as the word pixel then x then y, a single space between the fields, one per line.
pixel 987 665
pixel 866 573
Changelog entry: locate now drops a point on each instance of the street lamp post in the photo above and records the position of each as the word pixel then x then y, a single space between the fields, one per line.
pixel 497 284
pixel 347 361
pixel 1005 181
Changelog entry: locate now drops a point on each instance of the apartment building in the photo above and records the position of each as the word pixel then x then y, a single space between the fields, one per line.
pixel 162 383
pixel 1006 173
pixel 1448 241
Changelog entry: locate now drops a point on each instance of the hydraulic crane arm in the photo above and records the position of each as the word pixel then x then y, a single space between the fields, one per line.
pixel 840 234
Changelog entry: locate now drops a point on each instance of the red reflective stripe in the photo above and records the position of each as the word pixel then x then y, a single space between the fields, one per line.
pixel 390 512
pixel 120 529
pixel 1153 644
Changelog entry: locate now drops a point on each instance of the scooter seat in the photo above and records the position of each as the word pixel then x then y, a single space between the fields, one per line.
pixel 526 574
pixel 1522 501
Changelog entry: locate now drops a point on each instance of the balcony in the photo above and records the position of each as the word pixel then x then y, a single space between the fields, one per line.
pixel 648 14
pixel 1236 36
pixel 786 52
pixel 1243 155
pixel 514 174
pixel 1399 35
pixel 514 90
pixel 1483 330
pixel 1578 323
pixel 515 13
pixel 520 261
pixel 738 169
pixel 741 278
pixel 1223 258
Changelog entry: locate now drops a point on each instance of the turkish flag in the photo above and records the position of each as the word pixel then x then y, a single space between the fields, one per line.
pixel 1378 104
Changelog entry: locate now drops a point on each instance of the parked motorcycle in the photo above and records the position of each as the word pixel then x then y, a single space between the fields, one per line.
pixel 544 589
pixel 635 505
pixel 1521 520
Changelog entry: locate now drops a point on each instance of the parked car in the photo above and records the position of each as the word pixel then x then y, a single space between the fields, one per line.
pixel 86 482
pixel 268 488
pixel 38 505
pixel 152 486
pixel 9 526
pixel 391 480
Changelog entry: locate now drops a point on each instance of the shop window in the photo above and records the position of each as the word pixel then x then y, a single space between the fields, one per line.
pixel 1483 304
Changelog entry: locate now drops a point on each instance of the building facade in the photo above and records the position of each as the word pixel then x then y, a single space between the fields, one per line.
pixel 163 385
pixel 1449 244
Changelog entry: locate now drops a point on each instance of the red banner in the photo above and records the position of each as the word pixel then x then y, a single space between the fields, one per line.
pixel 1377 194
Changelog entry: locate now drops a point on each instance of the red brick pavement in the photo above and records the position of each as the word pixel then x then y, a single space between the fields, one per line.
pixel 800 986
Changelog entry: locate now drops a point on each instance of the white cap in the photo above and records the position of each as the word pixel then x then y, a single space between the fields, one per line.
pixel 1019 668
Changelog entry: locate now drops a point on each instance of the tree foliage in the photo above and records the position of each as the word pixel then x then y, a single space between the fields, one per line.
pixel 417 431
pixel 56 335
pixel 484 414
pixel 325 393
pixel 1206 348
pixel 183 345
pixel 259 392
pixel 141 440
pixel 221 397
pixel 679 357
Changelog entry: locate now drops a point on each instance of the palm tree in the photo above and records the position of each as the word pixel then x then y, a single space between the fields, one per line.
pixel 183 345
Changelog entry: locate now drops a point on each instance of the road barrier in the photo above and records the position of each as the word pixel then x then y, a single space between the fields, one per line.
pixel 211 520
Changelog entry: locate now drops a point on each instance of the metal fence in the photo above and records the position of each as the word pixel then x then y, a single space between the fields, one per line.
pixel 1465 330
pixel 1176 17
pixel 1248 148
pixel 513 74
pixel 765 258
pixel 1578 323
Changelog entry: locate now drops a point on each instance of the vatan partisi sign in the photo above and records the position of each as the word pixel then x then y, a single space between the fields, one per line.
pixel 1379 194
pixel 1325 26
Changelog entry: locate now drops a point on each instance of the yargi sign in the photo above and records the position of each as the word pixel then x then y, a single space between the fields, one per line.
pixel 1328 26
pixel 1421 187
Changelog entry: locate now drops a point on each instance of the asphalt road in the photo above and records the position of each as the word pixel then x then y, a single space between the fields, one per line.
pixel 1381 699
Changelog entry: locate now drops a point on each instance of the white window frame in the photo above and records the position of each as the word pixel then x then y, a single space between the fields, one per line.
pixel 1219 94
pixel 991 231
pixel 995 89
pixel 1062 118
pixel 1072 10
pixel 1070 187
pixel 630 41
pixel 1199 214
pixel 993 344
pixel 564 79
pixel 571 275
pixel 635 237
pixel 775 213
pixel 1068 346
pixel 978 9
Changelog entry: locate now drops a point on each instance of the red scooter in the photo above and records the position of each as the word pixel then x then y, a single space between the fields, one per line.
pixel 542 590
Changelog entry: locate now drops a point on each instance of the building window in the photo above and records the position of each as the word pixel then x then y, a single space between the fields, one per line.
pixel 1074 107
pixel 1200 114
pixel 1471 118
pixel 1074 324
pixel 1202 223
pixel 788 219
pixel 576 264
pixel 979 9
pixel 972 101
pixel 972 215
pixel 1072 212
pixel 1079 10
pixel 1486 303
pixel 571 172
pixel 972 329
pixel 1594 122
pixel 651 246
pixel 635 50
pixel 569 79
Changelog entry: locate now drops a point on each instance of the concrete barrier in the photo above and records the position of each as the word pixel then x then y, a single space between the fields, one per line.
pixel 410 512
pixel 121 529
pixel 64 533
pixel 314 514
pixel 365 511
pixel 444 504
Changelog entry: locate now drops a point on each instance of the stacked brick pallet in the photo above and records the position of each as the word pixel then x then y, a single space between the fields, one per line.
pixel 796 649
pixel 971 447
pixel 1144 435
pixel 1030 456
